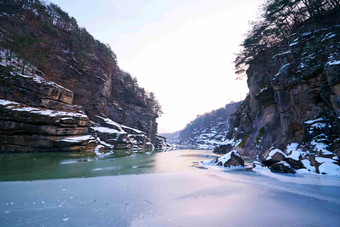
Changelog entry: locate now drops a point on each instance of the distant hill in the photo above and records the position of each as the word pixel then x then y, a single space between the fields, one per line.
pixel 207 130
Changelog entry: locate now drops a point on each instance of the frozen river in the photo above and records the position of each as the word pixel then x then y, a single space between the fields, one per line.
pixel 158 189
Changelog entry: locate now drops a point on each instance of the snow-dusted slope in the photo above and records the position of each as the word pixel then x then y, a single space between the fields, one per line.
pixel 208 130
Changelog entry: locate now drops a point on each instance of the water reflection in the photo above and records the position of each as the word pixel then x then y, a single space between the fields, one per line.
pixel 40 166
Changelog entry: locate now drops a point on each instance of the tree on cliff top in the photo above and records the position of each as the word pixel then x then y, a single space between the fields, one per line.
pixel 278 19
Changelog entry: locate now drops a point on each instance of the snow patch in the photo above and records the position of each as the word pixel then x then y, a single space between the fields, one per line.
pixel 132 129
pixel 306 33
pixel 330 168
pixel 47 112
pixel 96 150
pixel 293 152
pixel 285 164
pixel 111 122
pixel 105 144
pixel 319 146
pixel 281 70
pixel 105 130
pixel 334 62
pixel 324 160
pixel 293 44
pixel 328 36
pixel 4 102
pixel 313 121
pixel 77 139
pixel 231 142
pixel 283 53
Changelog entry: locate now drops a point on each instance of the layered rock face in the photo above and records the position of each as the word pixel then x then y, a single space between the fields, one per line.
pixel 44 118
pixel 208 130
pixel 57 83
pixel 294 98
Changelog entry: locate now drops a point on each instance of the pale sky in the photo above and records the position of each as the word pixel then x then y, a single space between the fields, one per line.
pixel 182 50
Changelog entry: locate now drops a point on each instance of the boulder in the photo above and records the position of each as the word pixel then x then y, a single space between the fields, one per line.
pixel 296 164
pixel 281 167
pixel 274 156
pixel 233 158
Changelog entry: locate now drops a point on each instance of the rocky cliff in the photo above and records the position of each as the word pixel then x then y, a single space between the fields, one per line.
pixel 207 130
pixel 294 99
pixel 61 89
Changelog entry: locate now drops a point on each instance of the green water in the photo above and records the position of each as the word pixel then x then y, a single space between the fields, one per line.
pixel 39 166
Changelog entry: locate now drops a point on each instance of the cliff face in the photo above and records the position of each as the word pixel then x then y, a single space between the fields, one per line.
pixel 294 96
pixel 208 130
pixel 49 64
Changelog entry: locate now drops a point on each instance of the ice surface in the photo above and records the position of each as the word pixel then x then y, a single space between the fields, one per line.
pixel 191 197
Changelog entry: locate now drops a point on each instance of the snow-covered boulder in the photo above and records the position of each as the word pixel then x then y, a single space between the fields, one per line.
pixel 281 167
pixel 274 156
pixel 233 158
